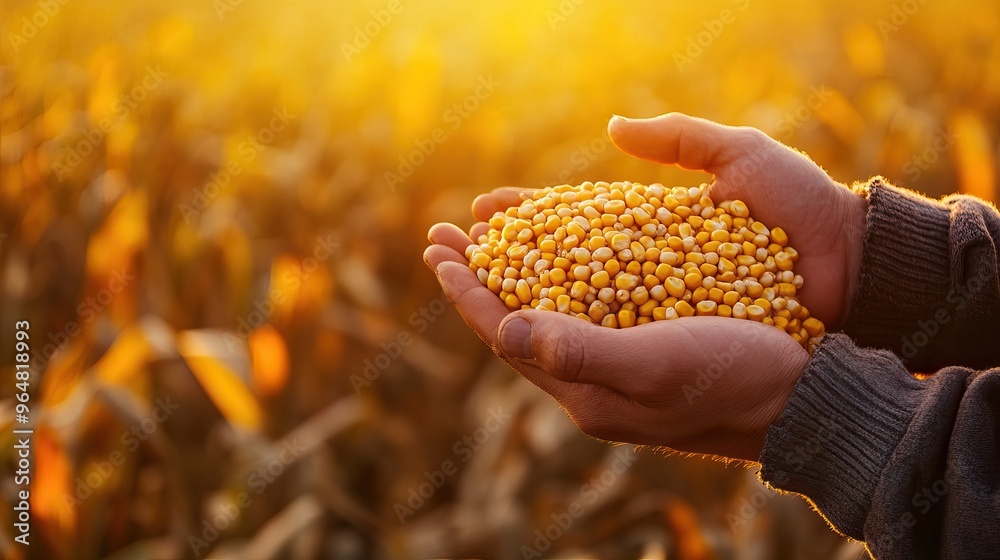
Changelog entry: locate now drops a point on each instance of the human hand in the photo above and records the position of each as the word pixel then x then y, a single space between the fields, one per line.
pixel 699 384
pixel 824 219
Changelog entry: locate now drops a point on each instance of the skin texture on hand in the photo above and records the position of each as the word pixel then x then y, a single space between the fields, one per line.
pixel 707 385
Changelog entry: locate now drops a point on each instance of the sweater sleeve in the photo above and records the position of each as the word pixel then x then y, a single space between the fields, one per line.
pixel 929 289
pixel 910 466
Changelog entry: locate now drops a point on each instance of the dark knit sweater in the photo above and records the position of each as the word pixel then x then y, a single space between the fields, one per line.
pixel 910 466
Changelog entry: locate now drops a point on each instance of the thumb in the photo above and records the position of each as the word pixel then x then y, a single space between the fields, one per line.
pixel 676 138
pixel 563 346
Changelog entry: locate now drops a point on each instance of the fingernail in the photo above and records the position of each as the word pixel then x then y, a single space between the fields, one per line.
pixel 515 338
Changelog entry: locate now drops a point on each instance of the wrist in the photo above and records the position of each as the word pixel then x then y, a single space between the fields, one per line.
pixel 905 266
pixel 854 236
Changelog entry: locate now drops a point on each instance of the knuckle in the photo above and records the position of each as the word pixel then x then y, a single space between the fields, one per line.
pixel 752 137
pixel 567 355
pixel 593 425
pixel 600 414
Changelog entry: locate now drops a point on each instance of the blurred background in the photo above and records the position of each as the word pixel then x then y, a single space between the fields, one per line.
pixel 212 215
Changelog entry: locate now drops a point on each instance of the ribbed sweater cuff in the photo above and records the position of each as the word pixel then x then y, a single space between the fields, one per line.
pixel 904 265
pixel 844 418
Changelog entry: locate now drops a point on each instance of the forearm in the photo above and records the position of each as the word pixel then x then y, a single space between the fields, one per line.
pixel 908 466
pixel 929 288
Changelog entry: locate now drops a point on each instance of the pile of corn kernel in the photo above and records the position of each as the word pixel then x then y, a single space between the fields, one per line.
pixel 623 254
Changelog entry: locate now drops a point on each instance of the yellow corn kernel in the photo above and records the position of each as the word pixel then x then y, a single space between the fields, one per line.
pixel 600 279
pixel 756 312
pixel 783 261
pixel 786 290
pixel 557 276
pixel 675 286
pixel 739 209
pixel 646 309
pixel 764 304
pixel 683 309
pixel 745 260
pixel 740 310
pixel 562 303
pixel 556 291
pixel 523 291
pixel 494 283
pixel 626 318
pixel 814 327
pixel 706 307
pixel 720 235
pixel 613 267
pixel 779 236
pixel 693 279
pixel 640 295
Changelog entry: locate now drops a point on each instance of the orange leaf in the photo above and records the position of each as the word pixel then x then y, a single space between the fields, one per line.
pixel 51 484
pixel 270 360
pixel 126 357
pixel 229 393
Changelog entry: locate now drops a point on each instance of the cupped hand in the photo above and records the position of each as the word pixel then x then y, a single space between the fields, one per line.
pixel 696 384
pixel 824 219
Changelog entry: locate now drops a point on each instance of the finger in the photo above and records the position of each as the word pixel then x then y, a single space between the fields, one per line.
pixel 604 413
pixel 449 235
pixel 481 309
pixel 477 229
pixel 437 254
pixel 676 138
pixel 485 205
pixel 576 351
